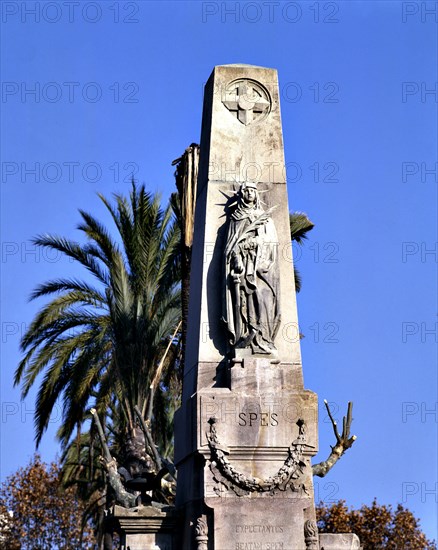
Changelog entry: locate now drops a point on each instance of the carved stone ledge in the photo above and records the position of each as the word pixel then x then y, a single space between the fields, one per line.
pixel 344 541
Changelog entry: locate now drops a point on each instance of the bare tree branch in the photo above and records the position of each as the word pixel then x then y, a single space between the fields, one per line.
pixel 150 401
pixel 343 441
pixel 149 439
pixel 159 370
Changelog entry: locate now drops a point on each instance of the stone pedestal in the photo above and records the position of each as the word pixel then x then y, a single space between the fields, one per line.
pixel 146 527
pixel 250 477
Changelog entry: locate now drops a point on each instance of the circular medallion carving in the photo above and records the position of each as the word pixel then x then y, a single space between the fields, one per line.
pixel 248 100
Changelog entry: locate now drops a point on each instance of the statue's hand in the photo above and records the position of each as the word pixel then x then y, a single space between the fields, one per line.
pixel 264 266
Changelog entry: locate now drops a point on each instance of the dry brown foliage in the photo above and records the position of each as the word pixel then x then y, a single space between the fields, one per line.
pixel 37 514
pixel 378 526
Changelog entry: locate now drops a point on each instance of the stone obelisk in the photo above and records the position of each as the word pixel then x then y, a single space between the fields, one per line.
pixel 247 428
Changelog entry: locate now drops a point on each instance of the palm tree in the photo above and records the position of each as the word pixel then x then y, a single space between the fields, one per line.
pixel 99 343
pixel 300 225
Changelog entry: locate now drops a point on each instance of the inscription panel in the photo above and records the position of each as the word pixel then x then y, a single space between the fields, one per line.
pixel 265 421
pixel 259 546
pixel 267 526
pixel 246 531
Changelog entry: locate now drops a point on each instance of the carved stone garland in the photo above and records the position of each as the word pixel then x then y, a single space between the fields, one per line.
pixel 241 484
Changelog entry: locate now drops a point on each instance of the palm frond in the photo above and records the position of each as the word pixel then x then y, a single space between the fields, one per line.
pixel 300 225
pixel 72 250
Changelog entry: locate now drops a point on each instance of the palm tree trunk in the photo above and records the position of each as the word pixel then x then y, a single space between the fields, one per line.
pixel 186 176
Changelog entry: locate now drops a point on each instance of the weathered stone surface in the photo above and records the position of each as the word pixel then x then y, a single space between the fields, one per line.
pixel 256 375
pixel 254 420
pixel 146 527
pixel 266 524
pixel 347 541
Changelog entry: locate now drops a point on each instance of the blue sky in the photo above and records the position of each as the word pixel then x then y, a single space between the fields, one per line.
pixel 118 89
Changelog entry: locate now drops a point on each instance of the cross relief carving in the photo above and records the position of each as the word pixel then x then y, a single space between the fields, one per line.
pixel 247 100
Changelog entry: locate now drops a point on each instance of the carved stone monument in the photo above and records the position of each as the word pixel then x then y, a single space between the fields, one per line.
pixel 247 428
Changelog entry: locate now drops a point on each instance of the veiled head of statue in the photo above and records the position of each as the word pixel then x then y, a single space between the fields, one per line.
pixel 249 194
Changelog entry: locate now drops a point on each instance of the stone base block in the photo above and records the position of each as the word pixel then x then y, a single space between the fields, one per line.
pixel 345 541
pixel 259 523
pixel 253 374
pixel 146 527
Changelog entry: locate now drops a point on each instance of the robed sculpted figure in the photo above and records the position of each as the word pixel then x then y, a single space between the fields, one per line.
pixel 252 311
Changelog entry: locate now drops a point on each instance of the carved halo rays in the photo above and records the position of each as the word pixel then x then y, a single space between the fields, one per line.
pixel 234 193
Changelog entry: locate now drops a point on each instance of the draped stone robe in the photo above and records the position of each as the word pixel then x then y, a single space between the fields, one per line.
pixel 252 312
